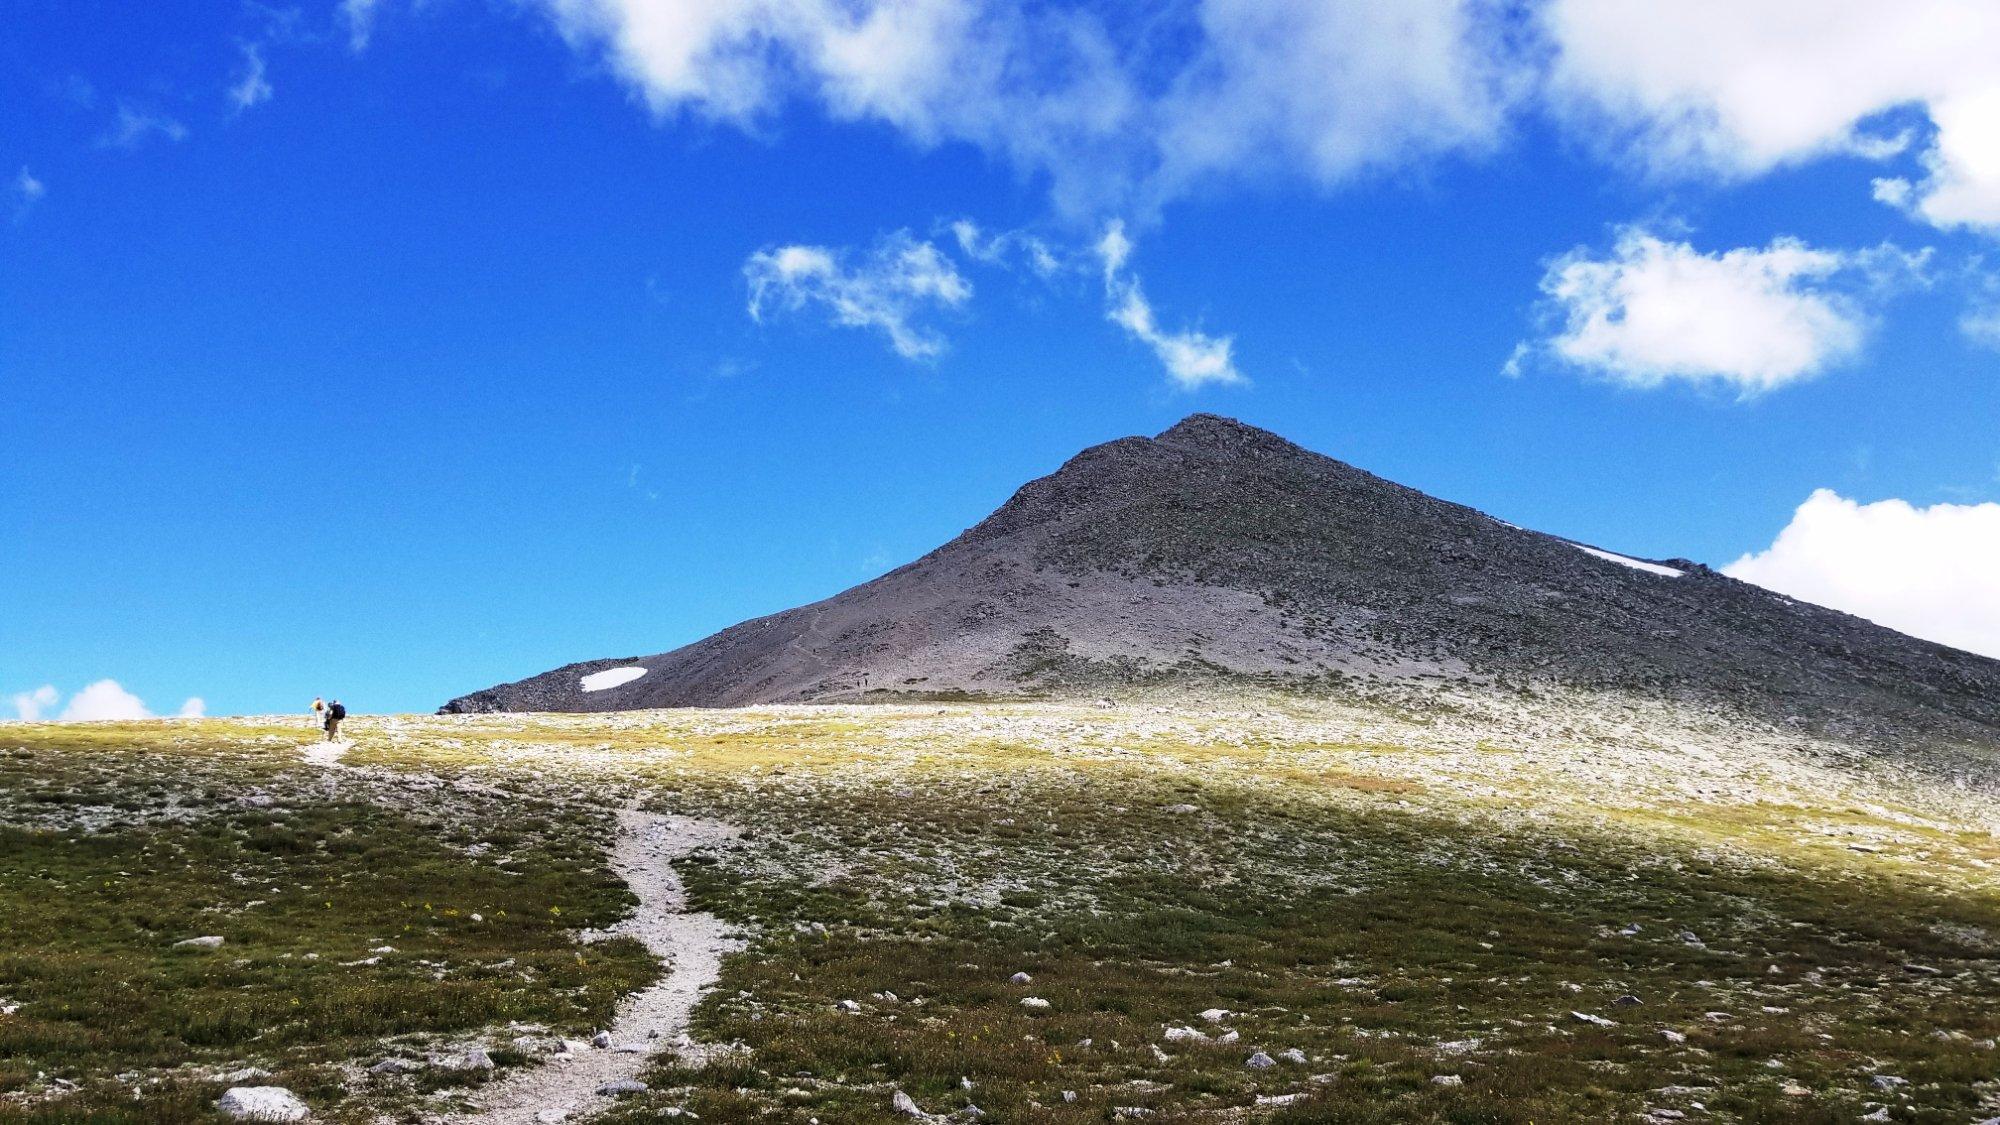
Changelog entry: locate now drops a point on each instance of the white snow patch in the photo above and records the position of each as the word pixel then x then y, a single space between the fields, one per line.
pixel 1635 564
pixel 611 678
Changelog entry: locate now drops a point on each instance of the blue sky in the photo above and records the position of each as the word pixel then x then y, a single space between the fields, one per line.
pixel 389 350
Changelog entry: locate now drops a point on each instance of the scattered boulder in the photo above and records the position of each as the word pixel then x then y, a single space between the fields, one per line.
pixel 1447 1080
pixel 1215 1015
pixel 601 1040
pixel 623 1088
pixel 1258 1060
pixel 1887 1081
pixel 208 941
pixel 1020 978
pixel 262 1103
pixel 1034 1002
pixel 1627 1001
pixel 1293 1055
pixel 1594 1021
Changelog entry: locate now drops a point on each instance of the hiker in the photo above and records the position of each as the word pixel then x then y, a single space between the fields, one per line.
pixel 335 712
pixel 319 712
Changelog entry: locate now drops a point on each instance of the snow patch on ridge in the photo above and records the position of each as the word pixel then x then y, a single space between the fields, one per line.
pixel 1635 564
pixel 610 678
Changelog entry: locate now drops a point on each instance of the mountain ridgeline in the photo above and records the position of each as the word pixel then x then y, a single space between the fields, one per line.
pixel 1218 557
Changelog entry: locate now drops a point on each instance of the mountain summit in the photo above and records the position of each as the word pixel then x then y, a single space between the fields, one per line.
pixel 1221 556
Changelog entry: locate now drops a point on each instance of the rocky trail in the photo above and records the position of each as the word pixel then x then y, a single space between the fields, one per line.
pixel 573 1082
pixel 583 1077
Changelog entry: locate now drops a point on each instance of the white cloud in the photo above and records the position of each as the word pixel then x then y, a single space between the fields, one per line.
pixel 1981 320
pixel 1009 249
pixel 28 191
pixel 134 126
pixel 897 283
pixel 1736 89
pixel 1755 319
pixel 1981 324
pixel 103 700
pixel 31 705
pixel 1924 571
pixel 1119 110
pixel 1329 90
pixel 252 87
pixel 359 16
pixel 1193 359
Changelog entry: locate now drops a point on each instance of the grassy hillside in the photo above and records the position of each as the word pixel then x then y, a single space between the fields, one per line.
pixel 1412 916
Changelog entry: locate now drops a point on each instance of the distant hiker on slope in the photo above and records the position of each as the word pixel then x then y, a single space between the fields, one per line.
pixel 319 712
pixel 335 712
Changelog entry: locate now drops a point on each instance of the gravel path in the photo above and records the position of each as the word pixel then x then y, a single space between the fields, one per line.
pixel 565 1087
pixel 325 753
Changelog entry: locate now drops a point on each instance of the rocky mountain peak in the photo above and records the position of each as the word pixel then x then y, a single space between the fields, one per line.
pixel 1220 557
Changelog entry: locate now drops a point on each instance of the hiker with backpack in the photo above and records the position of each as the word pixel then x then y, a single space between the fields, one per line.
pixel 335 712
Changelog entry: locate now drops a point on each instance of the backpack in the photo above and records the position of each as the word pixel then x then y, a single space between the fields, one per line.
pixel 338 712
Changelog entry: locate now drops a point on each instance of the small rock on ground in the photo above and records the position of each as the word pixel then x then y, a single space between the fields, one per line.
pixel 262 1103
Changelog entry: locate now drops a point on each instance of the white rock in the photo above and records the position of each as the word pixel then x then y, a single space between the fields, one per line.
pixel 1447 1080
pixel 1214 1015
pixel 1594 1021
pixel 903 1104
pixel 1035 1002
pixel 1260 1061
pixel 601 1040
pixel 262 1103
pixel 1293 1055
pixel 1020 978
pixel 209 941
pixel 1179 1034
pixel 1672 1036
pixel 1278 1099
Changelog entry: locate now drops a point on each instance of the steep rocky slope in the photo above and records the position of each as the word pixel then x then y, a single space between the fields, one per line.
pixel 1218 556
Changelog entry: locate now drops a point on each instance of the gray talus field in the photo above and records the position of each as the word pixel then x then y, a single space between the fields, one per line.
pixel 1216 558
pixel 1475 908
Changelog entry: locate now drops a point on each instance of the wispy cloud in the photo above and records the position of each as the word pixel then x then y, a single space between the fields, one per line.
pixel 251 87
pixel 1654 310
pixel 1304 88
pixel 1192 358
pixel 359 18
pixel 134 126
pixel 892 288
pixel 28 191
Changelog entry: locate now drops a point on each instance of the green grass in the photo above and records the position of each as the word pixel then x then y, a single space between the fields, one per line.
pixel 303 888
pixel 1363 938
pixel 1392 901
